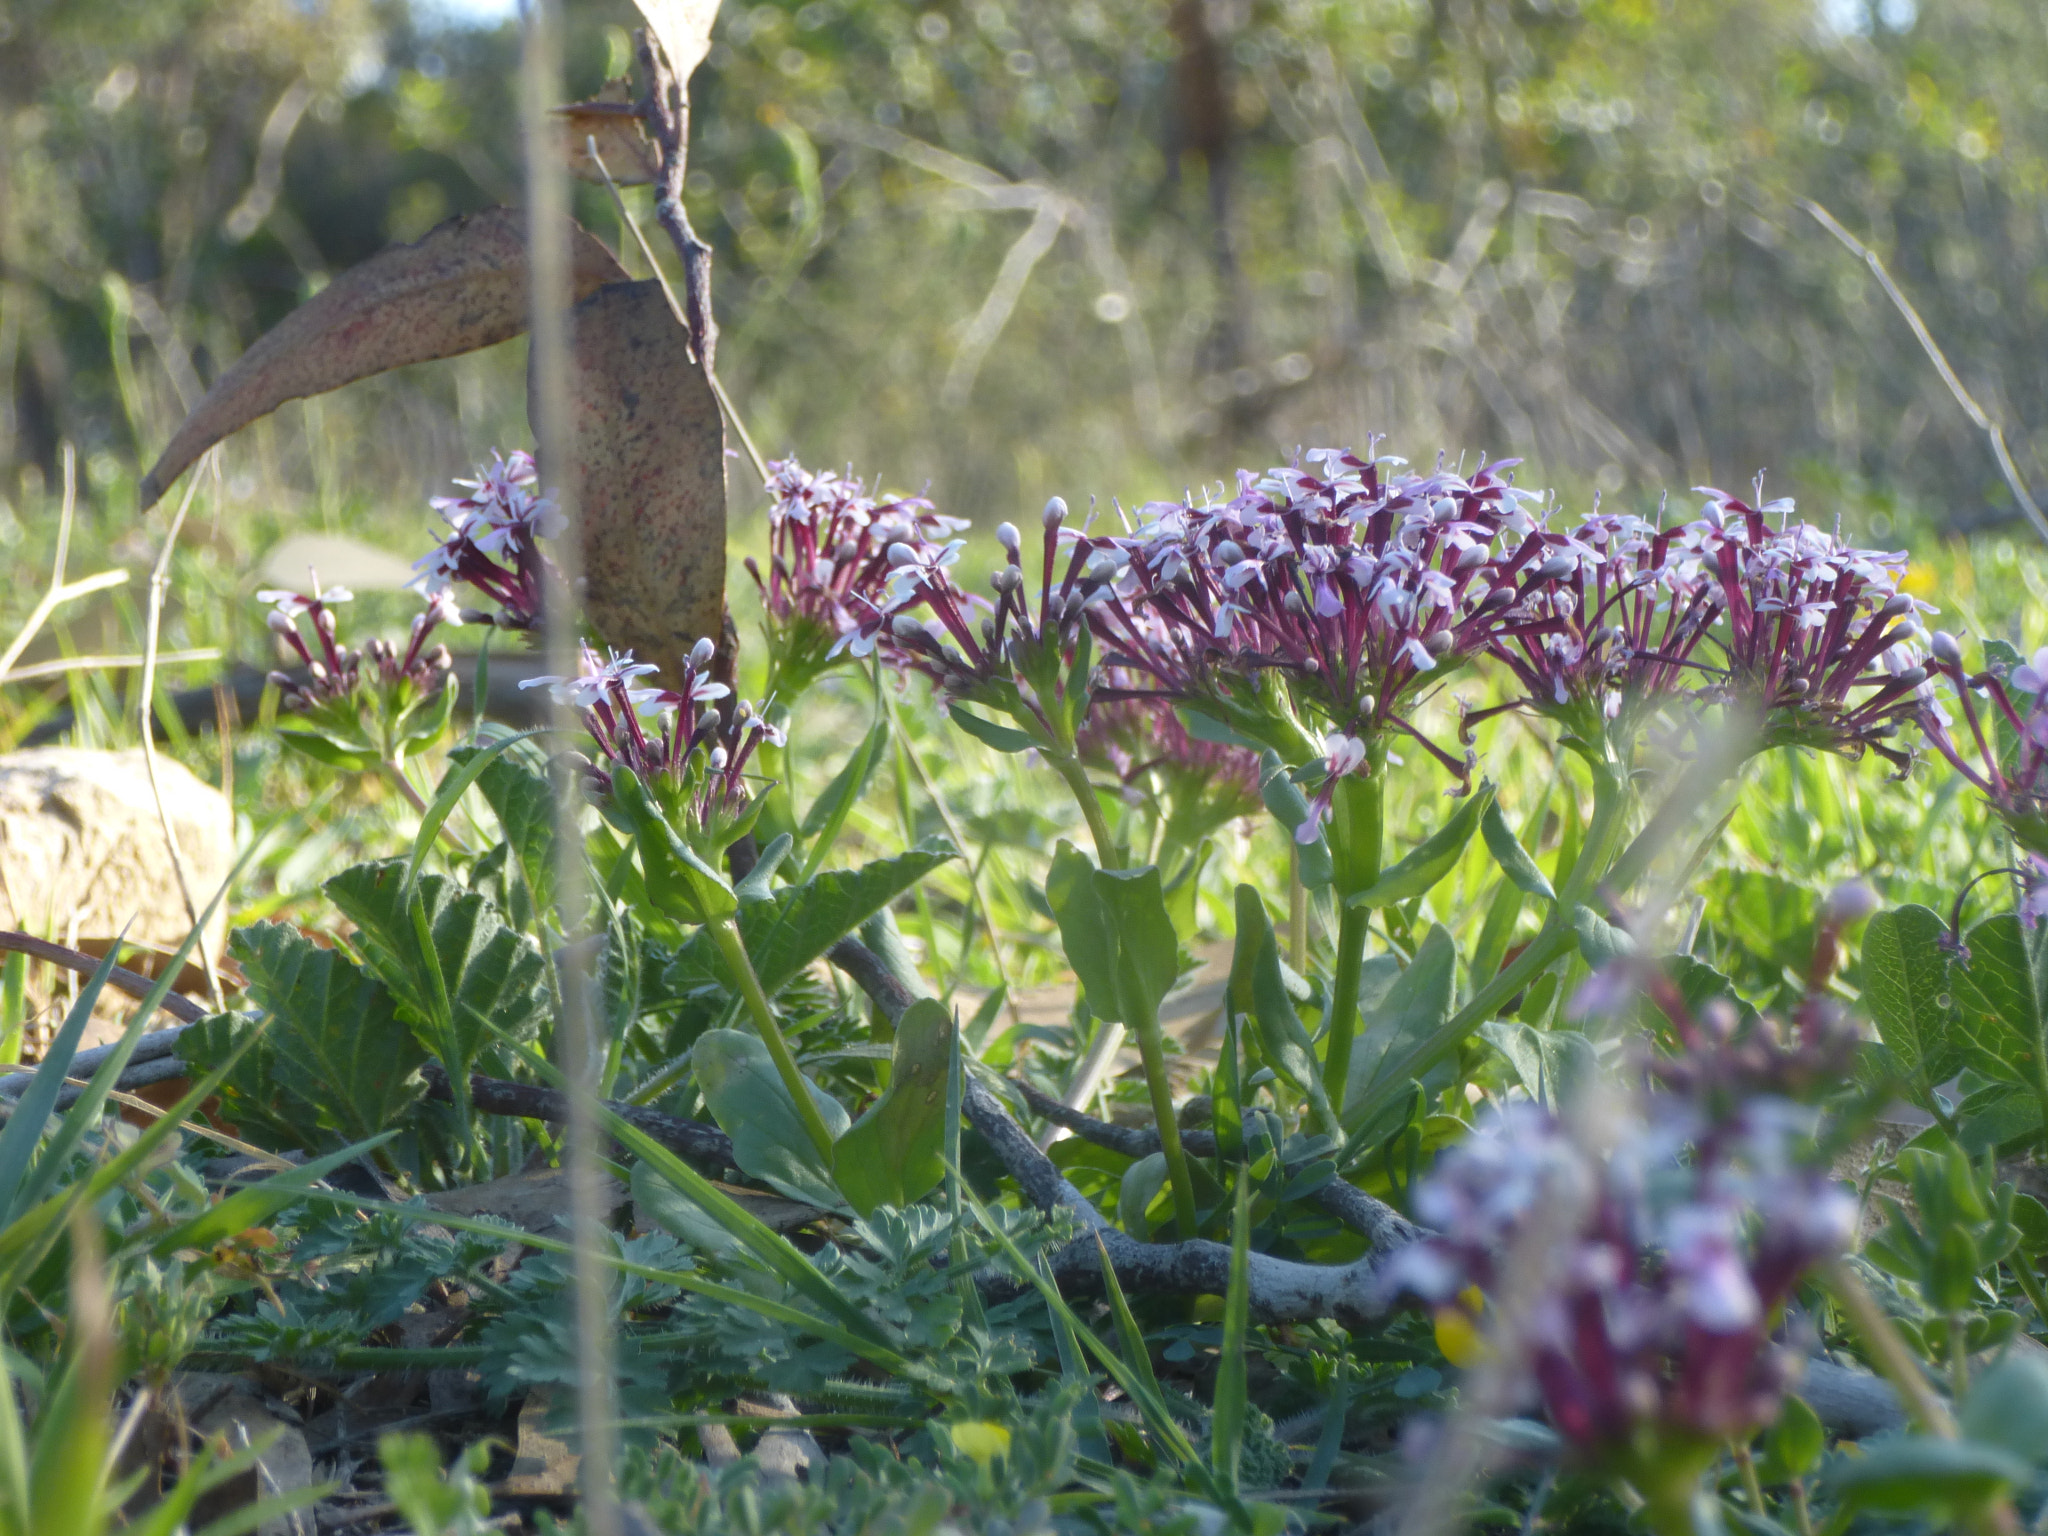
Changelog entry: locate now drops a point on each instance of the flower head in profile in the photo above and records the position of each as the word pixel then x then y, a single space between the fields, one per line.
pixel 1821 647
pixel 830 564
pixel 495 543
pixel 691 755
pixel 1608 640
pixel 1350 585
pixel 2001 746
pixel 370 705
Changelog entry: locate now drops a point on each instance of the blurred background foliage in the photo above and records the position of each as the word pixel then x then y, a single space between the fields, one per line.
pixel 1106 247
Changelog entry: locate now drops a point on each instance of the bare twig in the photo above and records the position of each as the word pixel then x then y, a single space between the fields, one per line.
pixel 133 983
pixel 675 306
pixel 59 590
pixel 666 111
pixel 692 1140
pixel 1980 417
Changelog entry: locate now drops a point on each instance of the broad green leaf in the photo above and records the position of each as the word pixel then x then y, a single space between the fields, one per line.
pixel 335 1041
pixel 1511 856
pixel 494 978
pixel 1906 988
pixel 1600 942
pixel 1403 1037
pixel 1914 1474
pixel 2007 1407
pixel 784 935
pixel 1794 1444
pixel 516 786
pixel 759 884
pixel 1552 1064
pixel 1004 738
pixel 1136 1191
pixel 1116 933
pixel 2001 999
pixel 321 750
pixel 1436 857
pixel 892 1154
pixel 1258 991
pixel 748 1100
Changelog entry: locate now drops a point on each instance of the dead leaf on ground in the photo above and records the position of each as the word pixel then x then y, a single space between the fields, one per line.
pixel 543 1466
pixel 650 460
pixel 460 288
pixel 535 1202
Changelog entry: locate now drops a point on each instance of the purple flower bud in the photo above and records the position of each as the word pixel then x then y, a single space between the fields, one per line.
pixel 1851 902
pixel 1008 536
pixel 905 627
pixel 1897 605
pixel 701 654
pixel 1055 512
pixel 1229 552
pixel 1438 642
pixel 279 622
pixel 900 555
pixel 1946 649
pixel 1557 566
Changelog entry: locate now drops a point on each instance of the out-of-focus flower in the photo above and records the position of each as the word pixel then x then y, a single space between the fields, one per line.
pixel 1202 785
pixel 691 757
pixel 495 543
pixel 1358 585
pixel 2003 751
pixel 830 565
pixel 1822 648
pixel 1645 1275
pixel 361 708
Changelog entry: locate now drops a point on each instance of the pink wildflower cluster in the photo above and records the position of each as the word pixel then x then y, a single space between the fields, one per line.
pixel 495 543
pixel 829 562
pixel 671 739
pixel 1644 1277
pixel 334 671
pixel 2004 750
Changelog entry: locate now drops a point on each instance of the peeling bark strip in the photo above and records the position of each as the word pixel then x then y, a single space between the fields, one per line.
pixel 461 287
pixel 649 450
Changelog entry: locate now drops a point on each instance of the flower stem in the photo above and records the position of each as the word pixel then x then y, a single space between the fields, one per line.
pixel 1357 834
pixel 727 937
pixel 1746 1464
pixel 1152 1048
pixel 1352 928
pixel 1069 768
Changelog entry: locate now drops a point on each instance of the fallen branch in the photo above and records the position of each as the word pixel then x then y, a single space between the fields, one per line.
pixel 1379 1223
pixel 692 1140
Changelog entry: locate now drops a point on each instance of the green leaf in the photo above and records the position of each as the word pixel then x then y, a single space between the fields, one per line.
pixel 1402 1038
pixel 24 1126
pixel 784 935
pixel 678 881
pixel 516 786
pixel 748 1100
pixel 493 977
pixel 1257 990
pixel 782 1257
pixel 1906 989
pixel 1233 1390
pixel 829 811
pixel 892 1154
pixel 1552 1064
pixel 254 1205
pixel 1600 942
pixel 1003 738
pixel 1289 806
pixel 1511 856
pixel 1116 933
pixel 2007 1407
pixel 1796 1441
pixel 321 750
pixel 1136 1191
pixel 1911 1473
pixel 2001 999
pixel 1419 872
pixel 335 1042
pixel 759 884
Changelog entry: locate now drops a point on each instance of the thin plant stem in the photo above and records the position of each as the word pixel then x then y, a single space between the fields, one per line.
pixel 1297 911
pixel 1353 924
pixel 1153 1048
pixel 1888 1352
pixel 1358 825
pixel 1075 777
pixel 1746 1465
pixel 726 935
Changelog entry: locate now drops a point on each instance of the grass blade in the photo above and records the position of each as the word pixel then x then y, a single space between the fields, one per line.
pixel 1226 1424
pixel 25 1125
